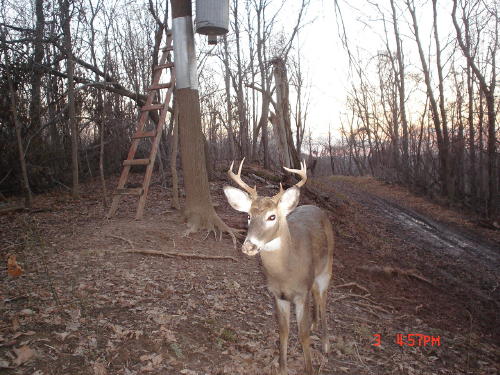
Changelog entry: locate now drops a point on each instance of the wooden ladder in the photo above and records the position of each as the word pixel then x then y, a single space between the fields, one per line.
pixel 141 134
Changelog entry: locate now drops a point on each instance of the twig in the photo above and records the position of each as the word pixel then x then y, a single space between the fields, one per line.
pixel 182 255
pixel 340 298
pixel 359 357
pixel 352 284
pixel 371 306
pixel 123 239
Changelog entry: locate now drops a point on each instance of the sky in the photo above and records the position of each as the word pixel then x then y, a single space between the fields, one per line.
pixel 326 67
pixel 325 60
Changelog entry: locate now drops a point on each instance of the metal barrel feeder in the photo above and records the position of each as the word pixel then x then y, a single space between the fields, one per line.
pixel 212 18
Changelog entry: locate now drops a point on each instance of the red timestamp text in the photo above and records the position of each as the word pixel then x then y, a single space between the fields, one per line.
pixel 411 339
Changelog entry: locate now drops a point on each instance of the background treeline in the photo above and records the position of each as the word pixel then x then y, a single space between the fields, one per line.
pixel 421 111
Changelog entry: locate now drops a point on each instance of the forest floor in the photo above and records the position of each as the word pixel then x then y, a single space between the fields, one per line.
pixel 87 302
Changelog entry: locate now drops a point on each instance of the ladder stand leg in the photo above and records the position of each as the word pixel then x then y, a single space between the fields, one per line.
pixel 141 133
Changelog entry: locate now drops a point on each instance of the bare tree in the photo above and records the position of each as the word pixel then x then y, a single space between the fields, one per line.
pixel 70 71
pixel 488 89
pixel 199 211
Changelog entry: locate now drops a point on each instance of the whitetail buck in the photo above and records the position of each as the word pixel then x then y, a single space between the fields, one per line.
pixel 296 248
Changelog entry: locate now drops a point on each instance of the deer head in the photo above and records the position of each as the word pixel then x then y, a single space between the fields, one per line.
pixel 266 215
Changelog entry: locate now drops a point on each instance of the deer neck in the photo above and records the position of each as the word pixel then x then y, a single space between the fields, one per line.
pixel 275 253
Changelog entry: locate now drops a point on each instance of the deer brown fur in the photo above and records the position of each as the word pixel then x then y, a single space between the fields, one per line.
pixel 296 248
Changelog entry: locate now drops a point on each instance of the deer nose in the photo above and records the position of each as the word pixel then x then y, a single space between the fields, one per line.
pixel 249 248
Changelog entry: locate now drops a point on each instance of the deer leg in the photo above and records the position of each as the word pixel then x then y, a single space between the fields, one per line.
pixel 302 312
pixel 325 344
pixel 321 285
pixel 283 313
pixel 316 307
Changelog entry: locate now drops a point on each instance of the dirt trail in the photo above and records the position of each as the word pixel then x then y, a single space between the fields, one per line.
pixel 84 305
pixel 473 262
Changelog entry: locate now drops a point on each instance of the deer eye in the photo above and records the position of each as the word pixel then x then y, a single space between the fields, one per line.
pixel 271 218
pixel 249 218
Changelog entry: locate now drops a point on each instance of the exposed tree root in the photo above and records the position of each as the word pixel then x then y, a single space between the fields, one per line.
pixel 181 255
pixel 200 219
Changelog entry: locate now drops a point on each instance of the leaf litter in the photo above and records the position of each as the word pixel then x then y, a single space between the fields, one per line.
pixel 82 305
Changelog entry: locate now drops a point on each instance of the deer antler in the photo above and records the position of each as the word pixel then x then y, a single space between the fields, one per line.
pixel 278 195
pixel 302 172
pixel 239 181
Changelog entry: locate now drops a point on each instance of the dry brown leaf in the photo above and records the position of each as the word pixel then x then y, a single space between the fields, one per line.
pixel 63 335
pixel 99 369
pixel 13 269
pixel 157 360
pixel 15 324
pixel 23 354
pixel 146 357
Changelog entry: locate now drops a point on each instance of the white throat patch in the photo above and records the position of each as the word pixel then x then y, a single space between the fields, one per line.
pixel 272 245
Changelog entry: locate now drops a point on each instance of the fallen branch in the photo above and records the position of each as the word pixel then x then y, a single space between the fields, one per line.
pixel 181 255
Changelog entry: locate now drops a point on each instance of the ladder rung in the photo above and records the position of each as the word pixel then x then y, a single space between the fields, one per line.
pixel 150 134
pixel 152 107
pixel 136 162
pixel 159 86
pixel 167 48
pixel 129 191
pixel 164 66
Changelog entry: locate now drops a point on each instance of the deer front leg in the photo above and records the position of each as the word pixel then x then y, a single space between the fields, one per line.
pixel 283 313
pixel 302 312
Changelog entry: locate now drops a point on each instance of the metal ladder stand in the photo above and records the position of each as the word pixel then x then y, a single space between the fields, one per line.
pixel 141 133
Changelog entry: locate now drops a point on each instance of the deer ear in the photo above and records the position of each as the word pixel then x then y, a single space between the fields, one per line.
pixel 289 200
pixel 238 199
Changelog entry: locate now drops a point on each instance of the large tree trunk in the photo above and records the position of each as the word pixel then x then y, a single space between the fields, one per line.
pixel 470 119
pixel 400 81
pixel 70 71
pixel 199 211
pixel 265 84
pixel 242 112
pixel 227 82
pixel 173 159
pixel 282 124
pixel 36 78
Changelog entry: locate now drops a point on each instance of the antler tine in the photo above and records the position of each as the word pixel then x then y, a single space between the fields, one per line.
pixel 278 195
pixel 239 181
pixel 302 172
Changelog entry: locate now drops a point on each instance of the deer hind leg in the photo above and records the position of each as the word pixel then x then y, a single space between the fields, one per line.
pixel 283 313
pixel 316 307
pixel 302 312
pixel 321 285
